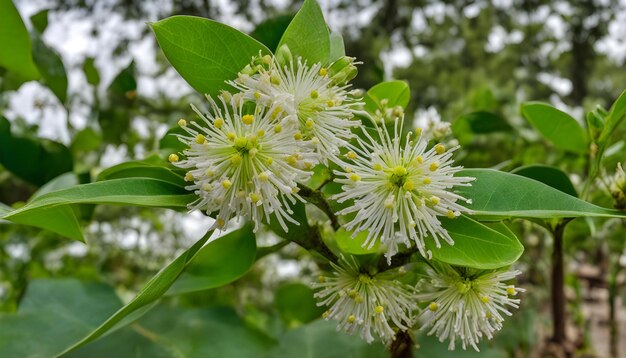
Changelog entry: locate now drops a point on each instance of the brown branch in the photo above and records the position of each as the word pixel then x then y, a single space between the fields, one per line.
pixel 316 198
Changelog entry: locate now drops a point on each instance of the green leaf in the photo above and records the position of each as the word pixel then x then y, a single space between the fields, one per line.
pixel 551 176
pixel 617 113
pixel 40 20
pixel 204 52
pixel 15 52
pixel 337 47
pixel 51 68
pixel 556 126
pixel 152 167
pixel 430 346
pixel 482 122
pixel 18 155
pixel 170 142
pixel 220 262
pixel 146 297
pixel 476 245
pixel 270 31
pixel 54 211
pixel 307 35
pixel 86 140
pixel 91 72
pixel 354 246
pixel 498 195
pixel 296 305
pixel 397 93
pixel 321 339
pixel 61 182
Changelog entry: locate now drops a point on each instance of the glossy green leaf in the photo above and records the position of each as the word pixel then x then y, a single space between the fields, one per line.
pixel 617 113
pixel 295 232
pixel 146 297
pixel 556 126
pixel 91 72
pixel 220 262
pixel 63 181
pixel 337 47
pixel 551 176
pixel 321 339
pixel 498 195
pixel 54 211
pixel 396 93
pixel 476 245
pixel 354 245
pixel 270 31
pixel 40 20
pixel 205 52
pixel 15 51
pixel 152 167
pixel 50 67
pixel 307 35
pixel 17 154
pixel 296 305
pixel 170 142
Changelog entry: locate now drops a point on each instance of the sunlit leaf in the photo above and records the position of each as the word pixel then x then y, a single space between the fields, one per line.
pixel 556 126
pixel 307 35
pixel 15 51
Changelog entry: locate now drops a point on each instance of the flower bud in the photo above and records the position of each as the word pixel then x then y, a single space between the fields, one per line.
pixel 343 70
pixel 283 55
pixel 618 188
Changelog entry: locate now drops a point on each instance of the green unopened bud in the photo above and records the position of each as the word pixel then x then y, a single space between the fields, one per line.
pixel 618 188
pixel 283 55
pixel 343 70
pixel 248 70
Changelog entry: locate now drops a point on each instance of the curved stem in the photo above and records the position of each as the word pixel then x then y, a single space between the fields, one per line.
pixel 316 198
pixel 401 347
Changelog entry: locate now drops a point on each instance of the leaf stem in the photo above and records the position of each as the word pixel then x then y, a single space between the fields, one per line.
pixel 316 198
pixel 401 347
pixel 558 283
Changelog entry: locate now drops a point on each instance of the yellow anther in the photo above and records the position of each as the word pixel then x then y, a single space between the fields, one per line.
pixel 269 161
pixel 366 279
pixel 450 214
pixel 355 177
pixel 182 122
pixel 308 165
pixel 236 159
pixel 389 204
pixel 231 136
pixel 321 279
pixel 292 160
pixel 351 318
pixel 377 166
pixel 323 71
pixel 200 139
pixel 412 223
pixel 309 123
pixel 418 131
pixel 325 314
pixel 295 190
pixel 379 309
pixel 297 136
pixel 511 290
pixel 264 176
pixel 408 186
pixel 247 119
pixel 488 315
pixel 260 133
pixel 351 155
pixel 440 148
pixel 220 222
pixel 226 184
pixel 207 187
pixel 275 80
pixel 173 158
pixel 210 172
pixel 427 180
pixel 399 170
pixel 278 110
pixel 434 200
pixel 433 306
pixel 256 95
pixel 254 197
pixel 353 293
pixel 188 176
pixel 278 128
pixel 218 123
pixel 330 103
pixel 419 159
pixel 485 299
pixel 434 166
pixel 348 169
pixel 314 94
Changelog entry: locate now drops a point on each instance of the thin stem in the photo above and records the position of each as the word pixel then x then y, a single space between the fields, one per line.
pixel 613 291
pixel 317 198
pixel 558 284
pixel 401 347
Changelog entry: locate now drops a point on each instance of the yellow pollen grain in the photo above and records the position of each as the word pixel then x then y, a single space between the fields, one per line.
pixel 434 166
pixel 433 306
pixel 254 197
pixel 292 160
pixel 377 166
pixel 231 136
pixel 200 139
pixel 330 103
pixel 256 95
pixel 399 170
pixel 182 122
pixel 511 290
pixel 355 177
pixel 236 159
pixel 269 161
pixel 351 318
pixel 210 172
pixel 309 123
pixel 226 184
pixel 450 214
pixel 440 148
pixel 408 186
pixel 188 176
pixel 276 111
pixel 419 159
pixel 264 176
pixel 351 155
pixel 321 279
pixel 297 136
pixel 379 309
pixel 218 123
pixel 434 200
pixel 173 158
pixel 427 181
pixel 247 119
pixel 323 71
pixel 260 133
pixel 278 128
pixel 314 94
pixel 485 299
pixel 275 80
pixel 220 222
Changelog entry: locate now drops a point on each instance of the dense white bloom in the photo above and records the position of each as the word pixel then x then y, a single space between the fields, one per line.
pixel 399 190
pixel 244 163
pixel 466 304
pixel 364 303
pixel 429 122
pixel 324 108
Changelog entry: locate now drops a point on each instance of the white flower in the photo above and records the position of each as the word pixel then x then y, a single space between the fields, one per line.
pixel 244 163
pixel 399 190
pixel 429 122
pixel 324 109
pixel 364 303
pixel 466 304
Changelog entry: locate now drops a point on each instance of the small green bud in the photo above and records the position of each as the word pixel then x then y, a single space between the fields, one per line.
pixel 283 55
pixel 343 70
